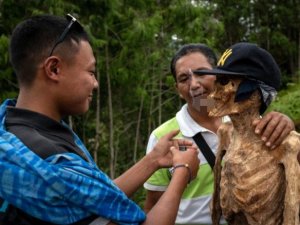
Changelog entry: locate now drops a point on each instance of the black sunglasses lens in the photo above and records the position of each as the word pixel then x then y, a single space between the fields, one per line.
pixel 222 80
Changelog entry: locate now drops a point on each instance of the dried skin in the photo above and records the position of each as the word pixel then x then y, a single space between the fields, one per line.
pixel 256 185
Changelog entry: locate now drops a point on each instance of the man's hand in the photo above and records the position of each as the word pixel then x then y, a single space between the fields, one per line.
pixel 273 127
pixel 161 153
pixel 189 156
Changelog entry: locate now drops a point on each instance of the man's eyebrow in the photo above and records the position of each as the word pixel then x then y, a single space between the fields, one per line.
pixel 183 73
pixel 203 68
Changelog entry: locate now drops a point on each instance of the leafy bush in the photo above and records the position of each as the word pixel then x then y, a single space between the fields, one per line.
pixel 288 102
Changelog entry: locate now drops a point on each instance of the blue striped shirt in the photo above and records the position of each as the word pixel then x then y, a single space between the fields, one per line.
pixel 62 189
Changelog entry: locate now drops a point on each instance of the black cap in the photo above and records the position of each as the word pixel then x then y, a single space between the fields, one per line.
pixel 247 59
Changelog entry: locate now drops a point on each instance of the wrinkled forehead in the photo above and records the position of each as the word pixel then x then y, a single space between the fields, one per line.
pixel 192 61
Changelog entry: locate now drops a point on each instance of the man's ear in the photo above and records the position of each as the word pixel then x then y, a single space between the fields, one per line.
pixel 52 67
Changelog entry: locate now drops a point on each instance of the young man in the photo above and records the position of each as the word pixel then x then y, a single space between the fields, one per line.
pixel 47 175
pixel 193 119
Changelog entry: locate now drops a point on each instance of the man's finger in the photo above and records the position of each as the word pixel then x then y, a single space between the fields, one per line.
pixel 255 122
pixel 184 142
pixel 282 136
pixel 171 134
pixel 269 128
pixel 262 123
pixel 172 149
pixel 276 134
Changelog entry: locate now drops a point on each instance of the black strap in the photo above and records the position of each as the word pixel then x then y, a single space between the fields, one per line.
pixel 205 149
pixel 14 216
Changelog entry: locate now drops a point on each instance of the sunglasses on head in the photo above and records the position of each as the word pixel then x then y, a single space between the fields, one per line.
pixel 72 20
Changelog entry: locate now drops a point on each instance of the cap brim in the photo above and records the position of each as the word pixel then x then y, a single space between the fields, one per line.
pixel 217 72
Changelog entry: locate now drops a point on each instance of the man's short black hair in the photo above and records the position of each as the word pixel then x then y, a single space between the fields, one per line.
pixel 33 39
pixel 191 48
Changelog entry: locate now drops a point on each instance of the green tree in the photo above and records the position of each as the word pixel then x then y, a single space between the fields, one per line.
pixel 134 41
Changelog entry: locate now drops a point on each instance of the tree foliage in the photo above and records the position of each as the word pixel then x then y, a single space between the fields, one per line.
pixel 134 41
pixel 288 102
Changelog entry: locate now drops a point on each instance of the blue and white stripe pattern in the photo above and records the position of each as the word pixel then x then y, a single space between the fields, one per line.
pixel 62 189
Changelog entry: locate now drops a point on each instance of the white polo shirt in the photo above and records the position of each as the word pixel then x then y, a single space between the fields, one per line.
pixel 194 205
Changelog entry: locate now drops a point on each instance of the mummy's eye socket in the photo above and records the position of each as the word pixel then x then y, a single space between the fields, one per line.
pixel 223 80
